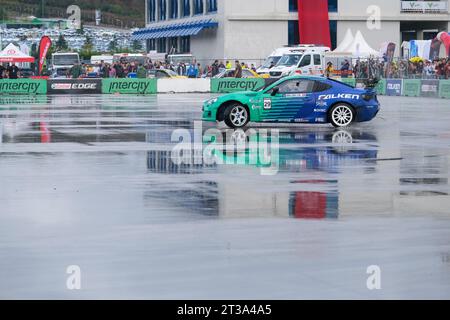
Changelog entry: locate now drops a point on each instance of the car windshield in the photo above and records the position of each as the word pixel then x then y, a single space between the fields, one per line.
pixel 289 60
pixel 270 61
pixel 65 59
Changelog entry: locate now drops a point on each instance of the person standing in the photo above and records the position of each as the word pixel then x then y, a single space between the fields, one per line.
pixel 13 71
pixel 238 71
pixel 2 71
pixel 76 71
pixel 215 68
pixel 141 72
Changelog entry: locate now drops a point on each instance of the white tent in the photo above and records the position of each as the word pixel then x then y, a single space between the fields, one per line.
pixel 13 54
pixel 348 40
pixel 358 48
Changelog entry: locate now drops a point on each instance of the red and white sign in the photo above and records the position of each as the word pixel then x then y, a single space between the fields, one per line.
pixel 13 54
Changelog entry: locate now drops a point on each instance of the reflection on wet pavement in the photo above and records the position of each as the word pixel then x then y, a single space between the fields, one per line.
pixel 92 181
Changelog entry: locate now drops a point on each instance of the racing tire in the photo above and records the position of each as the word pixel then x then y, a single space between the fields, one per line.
pixel 236 116
pixel 342 115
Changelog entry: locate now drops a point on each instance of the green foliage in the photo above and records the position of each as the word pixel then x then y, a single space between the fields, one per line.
pixel 61 44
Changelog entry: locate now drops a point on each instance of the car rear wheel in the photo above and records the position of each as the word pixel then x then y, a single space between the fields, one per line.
pixel 342 115
pixel 236 116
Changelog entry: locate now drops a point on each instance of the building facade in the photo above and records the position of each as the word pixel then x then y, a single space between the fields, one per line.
pixel 252 29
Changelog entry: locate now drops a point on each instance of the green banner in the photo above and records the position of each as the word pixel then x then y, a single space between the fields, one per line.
pixel 349 81
pixel 444 89
pixel 381 87
pixel 228 85
pixel 23 86
pixel 411 87
pixel 129 86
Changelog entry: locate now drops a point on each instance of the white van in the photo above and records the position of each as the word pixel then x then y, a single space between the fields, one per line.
pixel 273 59
pixel 305 60
pixel 99 59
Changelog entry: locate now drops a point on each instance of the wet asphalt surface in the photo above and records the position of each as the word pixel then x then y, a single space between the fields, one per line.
pixel 90 181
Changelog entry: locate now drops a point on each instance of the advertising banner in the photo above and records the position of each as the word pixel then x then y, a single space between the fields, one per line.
pixel 44 46
pixel 74 86
pixel 444 89
pixel 228 85
pixel 23 86
pixel 381 87
pixel 411 87
pixel 350 81
pixel 129 86
pixel 429 88
pixel 394 87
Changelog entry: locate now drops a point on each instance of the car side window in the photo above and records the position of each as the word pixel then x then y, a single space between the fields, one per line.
pixel 317 60
pixel 297 86
pixel 306 61
pixel 320 86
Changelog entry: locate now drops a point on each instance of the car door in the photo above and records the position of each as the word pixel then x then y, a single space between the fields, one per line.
pixel 305 67
pixel 294 102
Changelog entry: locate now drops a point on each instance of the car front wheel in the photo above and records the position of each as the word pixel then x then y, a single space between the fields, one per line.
pixel 236 116
pixel 342 115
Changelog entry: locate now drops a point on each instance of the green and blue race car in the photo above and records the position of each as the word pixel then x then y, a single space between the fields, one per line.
pixel 295 99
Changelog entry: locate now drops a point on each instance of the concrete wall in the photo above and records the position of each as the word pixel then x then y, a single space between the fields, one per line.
pixel 358 8
pixel 184 85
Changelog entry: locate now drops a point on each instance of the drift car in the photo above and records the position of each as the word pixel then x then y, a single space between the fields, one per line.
pixel 295 99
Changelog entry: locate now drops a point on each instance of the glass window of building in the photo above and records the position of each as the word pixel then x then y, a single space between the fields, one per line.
pixel 162 45
pixel 333 5
pixel 212 5
pixel 198 6
pixel 151 7
pixel 293 5
pixel 293 33
pixel 185 44
pixel 162 10
pixel 173 9
pixel 186 6
pixel 151 44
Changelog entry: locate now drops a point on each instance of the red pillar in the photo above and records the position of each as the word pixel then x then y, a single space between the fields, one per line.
pixel 313 22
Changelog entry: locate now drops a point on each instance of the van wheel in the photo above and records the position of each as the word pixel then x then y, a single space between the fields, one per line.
pixel 236 116
pixel 342 115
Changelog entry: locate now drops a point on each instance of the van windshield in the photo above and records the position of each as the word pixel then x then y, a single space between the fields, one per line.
pixel 65 59
pixel 271 61
pixel 290 60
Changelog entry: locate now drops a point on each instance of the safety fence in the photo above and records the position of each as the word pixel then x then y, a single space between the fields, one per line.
pixel 391 87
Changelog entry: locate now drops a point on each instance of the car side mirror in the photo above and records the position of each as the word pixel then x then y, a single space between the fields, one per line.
pixel 275 91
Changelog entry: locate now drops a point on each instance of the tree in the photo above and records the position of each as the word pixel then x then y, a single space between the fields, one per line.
pixel 137 45
pixel 3 14
pixel 112 47
pixel 88 45
pixel 61 43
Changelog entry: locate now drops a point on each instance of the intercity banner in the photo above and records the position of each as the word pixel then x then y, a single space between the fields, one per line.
pixel 429 88
pixel 313 22
pixel 129 86
pixel 74 86
pixel 444 89
pixel 381 87
pixel 394 87
pixel 411 87
pixel 44 46
pixel 228 85
pixel 23 86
